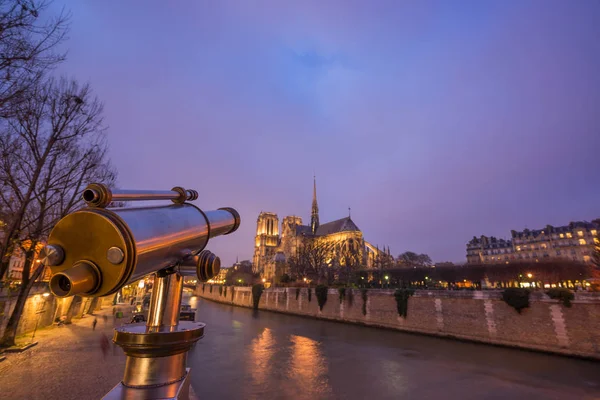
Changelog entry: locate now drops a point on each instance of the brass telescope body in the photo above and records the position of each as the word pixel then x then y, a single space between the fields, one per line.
pixel 105 249
pixel 96 251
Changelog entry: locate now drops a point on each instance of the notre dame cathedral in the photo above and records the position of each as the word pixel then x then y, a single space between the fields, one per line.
pixel 272 249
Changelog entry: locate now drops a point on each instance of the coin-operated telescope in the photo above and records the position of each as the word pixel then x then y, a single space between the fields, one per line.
pixel 96 251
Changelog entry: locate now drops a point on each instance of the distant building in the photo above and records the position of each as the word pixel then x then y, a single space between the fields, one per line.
pixel 273 248
pixel 573 242
pixel 17 263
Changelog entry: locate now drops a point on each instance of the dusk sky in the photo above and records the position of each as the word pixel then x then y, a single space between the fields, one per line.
pixel 433 121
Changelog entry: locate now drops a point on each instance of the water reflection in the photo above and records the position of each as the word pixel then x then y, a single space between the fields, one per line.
pixel 261 354
pixel 308 368
pixel 277 356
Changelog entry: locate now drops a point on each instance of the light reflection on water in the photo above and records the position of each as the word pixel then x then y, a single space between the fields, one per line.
pixel 260 355
pixel 308 368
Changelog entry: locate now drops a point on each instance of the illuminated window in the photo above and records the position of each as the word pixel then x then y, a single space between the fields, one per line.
pixel 582 241
pixel 596 240
pixel 579 233
pixel 569 235
pixel 543 245
pixel 594 232
pixel 518 248
pixel 586 258
pixel 561 235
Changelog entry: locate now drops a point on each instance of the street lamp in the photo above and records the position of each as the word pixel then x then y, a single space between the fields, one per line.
pixel 387 281
pixel 264 280
pixel 530 275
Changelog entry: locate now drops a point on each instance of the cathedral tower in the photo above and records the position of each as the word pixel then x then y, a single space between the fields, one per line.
pixel 314 216
pixel 266 241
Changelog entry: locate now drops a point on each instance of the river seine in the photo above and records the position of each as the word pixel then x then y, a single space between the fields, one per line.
pixel 263 355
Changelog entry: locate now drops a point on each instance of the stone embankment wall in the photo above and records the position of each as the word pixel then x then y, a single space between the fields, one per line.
pixel 42 310
pixel 479 316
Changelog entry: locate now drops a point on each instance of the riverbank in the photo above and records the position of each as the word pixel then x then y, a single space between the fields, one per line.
pixel 478 316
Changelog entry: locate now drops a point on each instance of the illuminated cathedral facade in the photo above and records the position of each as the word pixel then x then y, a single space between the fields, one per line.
pixel 274 246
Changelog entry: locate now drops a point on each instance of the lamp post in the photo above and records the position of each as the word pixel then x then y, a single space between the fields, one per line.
pixel 387 281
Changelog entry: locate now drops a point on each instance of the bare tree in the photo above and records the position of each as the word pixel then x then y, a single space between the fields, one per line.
pixel 309 260
pixel 52 148
pixel 410 259
pixel 27 48
pixel 350 261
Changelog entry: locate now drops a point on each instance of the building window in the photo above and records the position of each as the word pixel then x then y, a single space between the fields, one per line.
pixel 596 240
pixel 569 235
pixel 543 245
pixel 594 232
pixel 518 248
pixel 561 235
pixel 580 233
pixel 586 258
pixel 582 242
pixel 558 252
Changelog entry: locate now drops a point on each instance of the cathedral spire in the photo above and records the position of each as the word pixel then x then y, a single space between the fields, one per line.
pixel 314 216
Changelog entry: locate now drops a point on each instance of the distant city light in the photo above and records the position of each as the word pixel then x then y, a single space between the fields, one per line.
pixel 46 294
pixel 530 275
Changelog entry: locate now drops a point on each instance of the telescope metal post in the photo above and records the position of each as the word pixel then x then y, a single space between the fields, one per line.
pixel 157 351
pixel 165 302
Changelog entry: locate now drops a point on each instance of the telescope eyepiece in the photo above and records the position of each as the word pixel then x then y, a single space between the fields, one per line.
pixel 82 278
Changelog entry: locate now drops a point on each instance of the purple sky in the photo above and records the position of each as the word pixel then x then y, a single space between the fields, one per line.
pixel 434 121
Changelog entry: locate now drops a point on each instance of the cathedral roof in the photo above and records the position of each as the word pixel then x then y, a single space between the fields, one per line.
pixel 303 230
pixel 341 225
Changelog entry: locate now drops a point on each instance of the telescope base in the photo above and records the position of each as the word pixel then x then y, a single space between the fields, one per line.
pixel 156 361
pixel 178 390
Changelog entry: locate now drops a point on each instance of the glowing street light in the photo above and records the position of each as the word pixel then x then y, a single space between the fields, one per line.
pixel 530 275
pixel 387 277
pixel 141 284
pixel 304 279
pixel 264 280
pixel 46 294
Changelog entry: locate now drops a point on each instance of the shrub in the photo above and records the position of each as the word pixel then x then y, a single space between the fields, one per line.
pixel 363 293
pixel 342 292
pixel 257 291
pixel 561 294
pixel 220 290
pixel 321 292
pixel 285 278
pixel 297 293
pixel 309 294
pixel 517 298
pixel 402 296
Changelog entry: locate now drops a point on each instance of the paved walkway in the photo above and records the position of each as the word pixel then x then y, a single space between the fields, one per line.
pixel 67 363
